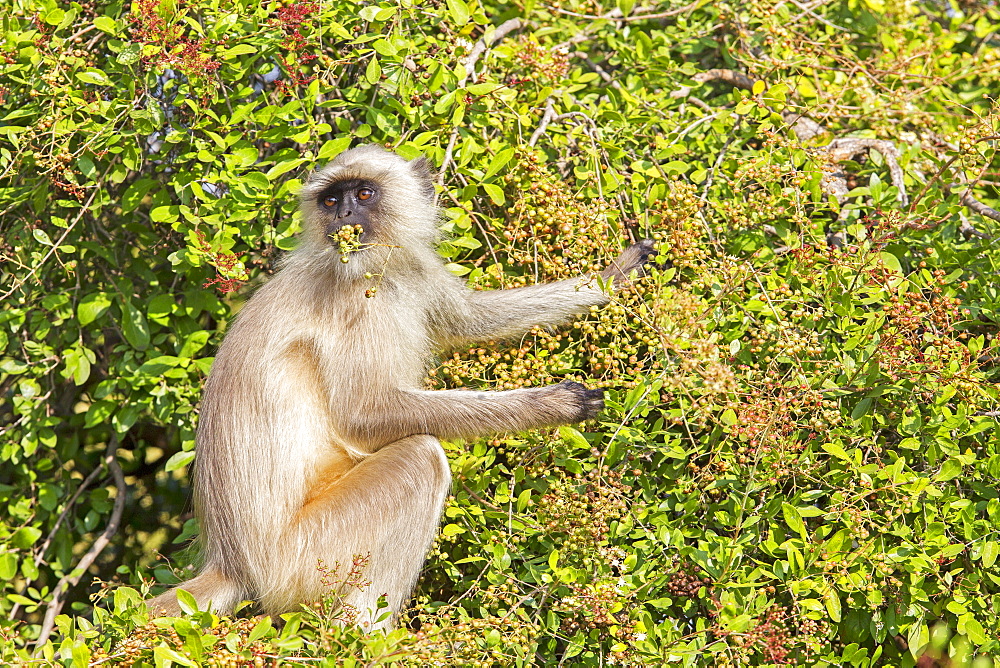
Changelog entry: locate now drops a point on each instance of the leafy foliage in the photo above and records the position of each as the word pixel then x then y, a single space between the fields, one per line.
pixel 800 456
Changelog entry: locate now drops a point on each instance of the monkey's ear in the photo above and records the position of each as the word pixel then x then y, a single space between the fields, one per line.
pixel 421 168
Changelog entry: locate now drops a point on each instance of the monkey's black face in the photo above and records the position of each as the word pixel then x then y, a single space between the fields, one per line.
pixel 348 203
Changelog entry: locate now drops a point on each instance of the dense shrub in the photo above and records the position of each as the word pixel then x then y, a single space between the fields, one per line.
pixel 800 455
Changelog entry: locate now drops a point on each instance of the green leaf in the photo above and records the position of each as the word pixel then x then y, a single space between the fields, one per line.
pixel 99 412
pixel 989 554
pixel 384 48
pixel 125 598
pixel 261 629
pixel 495 193
pixel 94 76
pixel 126 417
pixel 369 13
pixel 134 326
pixel 92 307
pixel 334 147
pixel 135 193
pixel 78 363
pixel 159 364
pixel 481 89
pixel 25 537
pixel 373 73
pixel 129 54
pixel 758 87
pixel 832 602
pixel 452 530
pixel 8 566
pixel 745 105
pixel 164 656
pixel 81 655
pixel 41 236
pixel 625 6
pixel 459 12
pixel 106 24
pixel 256 180
pixel 793 520
pixel 283 167
pixel 238 50
pixel 573 437
pixel 54 16
pixel 975 632
pixel 498 162
pixel 445 102
pixel 862 409
pixel 179 460
pixel 837 451
pixel 194 342
pixel 187 602
pixel 950 470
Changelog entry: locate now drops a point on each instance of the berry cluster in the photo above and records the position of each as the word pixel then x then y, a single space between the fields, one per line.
pixel 230 272
pixel 173 48
pixel 293 19
pixel 553 234
pixel 580 511
pixel 348 240
pixel 232 650
pixel 538 63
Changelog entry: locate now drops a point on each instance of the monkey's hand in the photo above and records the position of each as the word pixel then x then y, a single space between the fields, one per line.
pixel 633 258
pixel 581 403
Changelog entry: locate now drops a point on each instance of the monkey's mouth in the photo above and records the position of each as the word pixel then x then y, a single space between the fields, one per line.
pixel 347 239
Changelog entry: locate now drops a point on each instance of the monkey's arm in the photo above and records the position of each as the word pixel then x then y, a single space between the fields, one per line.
pixel 466 413
pixel 499 314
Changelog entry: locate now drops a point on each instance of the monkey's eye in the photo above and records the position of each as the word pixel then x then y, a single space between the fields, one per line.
pixel 330 201
pixel 365 193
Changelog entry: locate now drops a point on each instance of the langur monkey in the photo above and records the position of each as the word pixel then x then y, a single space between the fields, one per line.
pixel 316 441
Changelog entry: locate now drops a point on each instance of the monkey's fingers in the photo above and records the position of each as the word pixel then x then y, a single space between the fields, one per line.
pixel 633 258
pixel 588 402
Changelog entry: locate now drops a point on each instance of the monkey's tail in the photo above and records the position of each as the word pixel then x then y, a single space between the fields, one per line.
pixel 211 589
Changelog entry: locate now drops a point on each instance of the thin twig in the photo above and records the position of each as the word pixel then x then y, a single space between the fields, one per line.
pixel 731 77
pixel 547 117
pixel 448 152
pixel 810 12
pixel 469 64
pixel 40 552
pixel 73 577
pixel 721 156
pixel 636 15
pixel 969 230
pixel 69 228
pixel 601 72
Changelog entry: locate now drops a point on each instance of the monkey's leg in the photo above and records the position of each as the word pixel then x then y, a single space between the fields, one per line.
pixel 387 508
pixel 210 588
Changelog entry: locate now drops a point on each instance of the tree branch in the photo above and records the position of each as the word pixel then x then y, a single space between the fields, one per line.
pixel 73 577
pixel 975 205
pixel 469 64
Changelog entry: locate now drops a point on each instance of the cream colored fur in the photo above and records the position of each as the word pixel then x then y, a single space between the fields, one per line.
pixel 316 441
